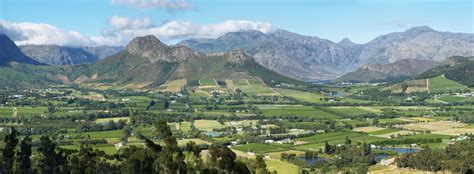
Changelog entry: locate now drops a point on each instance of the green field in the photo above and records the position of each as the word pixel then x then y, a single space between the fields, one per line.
pixel 22 111
pixel 240 82
pixel 282 167
pixel 207 82
pixel 315 142
pixel 294 110
pixel 300 95
pixel 207 125
pixel 440 84
pixel 113 134
pixel 107 148
pixel 259 148
pixel 253 87
pixel 348 111
pixel 385 131
pixel 451 99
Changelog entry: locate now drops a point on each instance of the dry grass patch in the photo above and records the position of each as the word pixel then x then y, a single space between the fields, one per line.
pixel 456 131
pixel 368 129
pixel 432 126
pixel 388 135
pixel 175 85
pixel 207 125
pixel 277 155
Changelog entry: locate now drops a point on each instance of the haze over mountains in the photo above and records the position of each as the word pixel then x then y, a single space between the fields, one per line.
pixel 310 58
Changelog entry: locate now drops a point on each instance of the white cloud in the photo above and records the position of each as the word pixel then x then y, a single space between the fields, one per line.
pixel 121 23
pixel 124 29
pixel 219 29
pixel 170 5
pixel 26 33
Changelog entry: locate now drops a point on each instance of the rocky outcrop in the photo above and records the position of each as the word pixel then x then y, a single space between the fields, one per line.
pixel 150 47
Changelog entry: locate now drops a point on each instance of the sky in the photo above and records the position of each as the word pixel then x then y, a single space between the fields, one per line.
pixel 115 22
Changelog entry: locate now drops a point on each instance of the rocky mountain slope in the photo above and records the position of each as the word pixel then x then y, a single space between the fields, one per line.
pixel 145 62
pixel 312 58
pixel 421 43
pixel 61 55
pixel 298 56
pixel 398 70
pixel 148 62
pixel 9 52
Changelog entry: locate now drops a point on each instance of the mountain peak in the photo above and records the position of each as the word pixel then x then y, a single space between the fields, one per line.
pixel 144 43
pixel 420 29
pixel 346 42
pixel 150 47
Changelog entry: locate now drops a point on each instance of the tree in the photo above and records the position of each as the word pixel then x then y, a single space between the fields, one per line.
pixel 11 140
pixel 347 141
pixel 48 162
pixel 23 162
pixel 166 104
pixel 126 132
pixel 51 109
pixel 259 165
pixel 171 158
pixel 375 121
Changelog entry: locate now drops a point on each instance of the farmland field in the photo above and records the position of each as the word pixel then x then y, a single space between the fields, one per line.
pixel 259 148
pixel 299 95
pixel 432 126
pixel 207 82
pixel 253 87
pixel 175 85
pixel 22 111
pixel 294 110
pixel 282 167
pixel 207 125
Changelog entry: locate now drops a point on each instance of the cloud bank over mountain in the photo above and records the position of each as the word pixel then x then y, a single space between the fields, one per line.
pixel 122 30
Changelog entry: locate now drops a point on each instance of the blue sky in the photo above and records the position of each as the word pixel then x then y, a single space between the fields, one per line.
pixel 358 20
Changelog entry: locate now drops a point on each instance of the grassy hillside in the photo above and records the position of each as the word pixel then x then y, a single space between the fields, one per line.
pixel 459 69
pixel 441 84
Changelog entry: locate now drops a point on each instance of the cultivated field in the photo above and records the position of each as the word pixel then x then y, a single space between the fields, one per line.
pixel 432 126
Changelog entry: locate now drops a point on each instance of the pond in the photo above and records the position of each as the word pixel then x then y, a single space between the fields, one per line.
pixel 213 134
pixel 399 150
pixel 312 161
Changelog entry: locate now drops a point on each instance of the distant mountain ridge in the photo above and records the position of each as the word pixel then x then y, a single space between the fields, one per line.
pixel 62 55
pixel 298 56
pixel 313 58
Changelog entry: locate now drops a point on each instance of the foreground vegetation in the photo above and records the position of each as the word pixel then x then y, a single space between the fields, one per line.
pixel 235 126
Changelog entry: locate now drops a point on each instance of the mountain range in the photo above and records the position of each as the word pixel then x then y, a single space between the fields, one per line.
pixel 62 55
pixel 147 61
pixel 313 58
pixel 144 62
